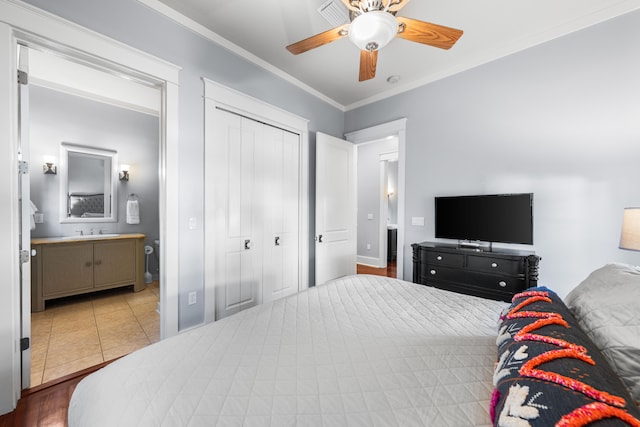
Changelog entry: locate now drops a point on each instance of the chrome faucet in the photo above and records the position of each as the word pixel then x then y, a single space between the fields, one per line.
pixel 81 232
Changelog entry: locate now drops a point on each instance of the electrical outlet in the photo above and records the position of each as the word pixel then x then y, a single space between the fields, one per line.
pixel 368 246
pixel 192 298
pixel 38 218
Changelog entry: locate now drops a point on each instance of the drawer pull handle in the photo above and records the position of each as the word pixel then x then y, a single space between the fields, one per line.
pixel 494 265
pixel 433 272
pixel 502 284
pixel 439 258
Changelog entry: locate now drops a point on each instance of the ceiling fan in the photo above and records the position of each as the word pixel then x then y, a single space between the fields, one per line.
pixel 374 24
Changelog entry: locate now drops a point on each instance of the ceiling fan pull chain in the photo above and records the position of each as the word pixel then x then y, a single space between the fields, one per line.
pixel 401 27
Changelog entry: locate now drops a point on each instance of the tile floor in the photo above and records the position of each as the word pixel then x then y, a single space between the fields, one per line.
pixel 79 332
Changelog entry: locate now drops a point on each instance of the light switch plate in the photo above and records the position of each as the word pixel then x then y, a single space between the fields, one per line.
pixel 417 220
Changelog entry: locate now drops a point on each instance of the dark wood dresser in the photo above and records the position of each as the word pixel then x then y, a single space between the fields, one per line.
pixel 498 274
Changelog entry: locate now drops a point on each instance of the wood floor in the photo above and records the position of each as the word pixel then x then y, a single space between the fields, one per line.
pixel 389 271
pixel 46 405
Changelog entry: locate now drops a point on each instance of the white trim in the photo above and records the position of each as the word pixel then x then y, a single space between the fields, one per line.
pixel 383 207
pixel 10 316
pixel 397 128
pixel 203 31
pixel 240 103
pixel 169 213
pixel 31 25
pixel 369 261
pixel 39 23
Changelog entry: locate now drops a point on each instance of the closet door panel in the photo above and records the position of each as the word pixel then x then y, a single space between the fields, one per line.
pixel 281 269
pixel 238 254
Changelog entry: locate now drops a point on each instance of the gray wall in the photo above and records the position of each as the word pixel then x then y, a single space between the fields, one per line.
pixel 560 120
pixel 136 25
pixel 57 117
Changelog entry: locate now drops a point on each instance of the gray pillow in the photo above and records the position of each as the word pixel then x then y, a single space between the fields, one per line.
pixel 607 306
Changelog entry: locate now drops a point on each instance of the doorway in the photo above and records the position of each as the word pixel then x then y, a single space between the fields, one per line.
pixel 23 25
pixel 377 197
pixel 395 130
pixel 72 103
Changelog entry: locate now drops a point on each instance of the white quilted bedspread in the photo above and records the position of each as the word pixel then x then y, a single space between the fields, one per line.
pixel 358 351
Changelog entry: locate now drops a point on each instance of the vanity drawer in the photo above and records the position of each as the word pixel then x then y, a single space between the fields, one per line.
pixel 445 258
pixel 494 265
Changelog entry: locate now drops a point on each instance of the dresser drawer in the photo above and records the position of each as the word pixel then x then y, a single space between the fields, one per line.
pixel 494 265
pixel 489 282
pixel 500 283
pixel 445 258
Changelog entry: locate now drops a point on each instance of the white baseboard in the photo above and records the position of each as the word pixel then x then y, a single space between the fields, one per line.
pixel 370 261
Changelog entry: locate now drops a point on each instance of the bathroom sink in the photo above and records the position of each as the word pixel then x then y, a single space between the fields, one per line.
pixel 89 236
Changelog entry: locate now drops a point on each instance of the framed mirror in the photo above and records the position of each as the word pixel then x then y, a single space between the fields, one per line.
pixel 88 184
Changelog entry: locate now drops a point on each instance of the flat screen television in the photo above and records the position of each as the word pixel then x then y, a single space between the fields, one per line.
pixel 504 218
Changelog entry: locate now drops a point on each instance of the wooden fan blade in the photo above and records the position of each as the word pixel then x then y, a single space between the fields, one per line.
pixel 368 62
pixel 427 33
pixel 396 7
pixel 319 39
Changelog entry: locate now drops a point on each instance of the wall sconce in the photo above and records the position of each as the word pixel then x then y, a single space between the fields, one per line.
pixel 49 168
pixel 630 235
pixel 124 172
pixel 389 191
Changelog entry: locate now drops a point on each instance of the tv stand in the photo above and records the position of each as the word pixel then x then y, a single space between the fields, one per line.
pixel 498 274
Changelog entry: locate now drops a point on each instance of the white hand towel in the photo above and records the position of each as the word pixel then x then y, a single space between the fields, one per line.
pixel 133 212
pixel 34 209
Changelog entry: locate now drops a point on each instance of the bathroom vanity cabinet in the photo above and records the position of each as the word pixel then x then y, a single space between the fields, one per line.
pixel 65 266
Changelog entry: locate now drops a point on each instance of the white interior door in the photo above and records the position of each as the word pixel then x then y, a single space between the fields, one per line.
pixel 281 203
pixel 26 213
pixel 335 208
pixel 238 233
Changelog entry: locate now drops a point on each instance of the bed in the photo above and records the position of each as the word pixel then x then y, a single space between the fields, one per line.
pixel 362 350
pixel 358 351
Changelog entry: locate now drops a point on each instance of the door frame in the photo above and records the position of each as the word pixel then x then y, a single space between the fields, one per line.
pixel 242 104
pixel 26 24
pixel 397 128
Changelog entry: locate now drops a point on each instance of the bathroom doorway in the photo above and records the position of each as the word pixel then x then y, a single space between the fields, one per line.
pixel 75 102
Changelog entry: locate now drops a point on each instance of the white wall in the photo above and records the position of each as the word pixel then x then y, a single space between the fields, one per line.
pixel 57 117
pixel 560 120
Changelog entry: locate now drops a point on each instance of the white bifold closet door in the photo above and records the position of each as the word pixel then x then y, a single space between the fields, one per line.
pixel 255 220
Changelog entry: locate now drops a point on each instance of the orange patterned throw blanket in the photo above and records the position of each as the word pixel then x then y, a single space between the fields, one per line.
pixel 550 373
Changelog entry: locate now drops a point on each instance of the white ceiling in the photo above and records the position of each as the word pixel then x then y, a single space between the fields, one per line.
pixel 260 30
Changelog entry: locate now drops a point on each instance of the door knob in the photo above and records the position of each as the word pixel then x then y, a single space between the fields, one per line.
pixel 247 244
pixel 320 238
pixel 277 241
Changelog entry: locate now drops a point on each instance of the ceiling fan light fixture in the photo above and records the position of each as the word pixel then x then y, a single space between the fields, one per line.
pixel 373 30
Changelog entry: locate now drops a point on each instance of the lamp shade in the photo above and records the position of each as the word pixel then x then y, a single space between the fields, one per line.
pixel 630 236
pixel 373 30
